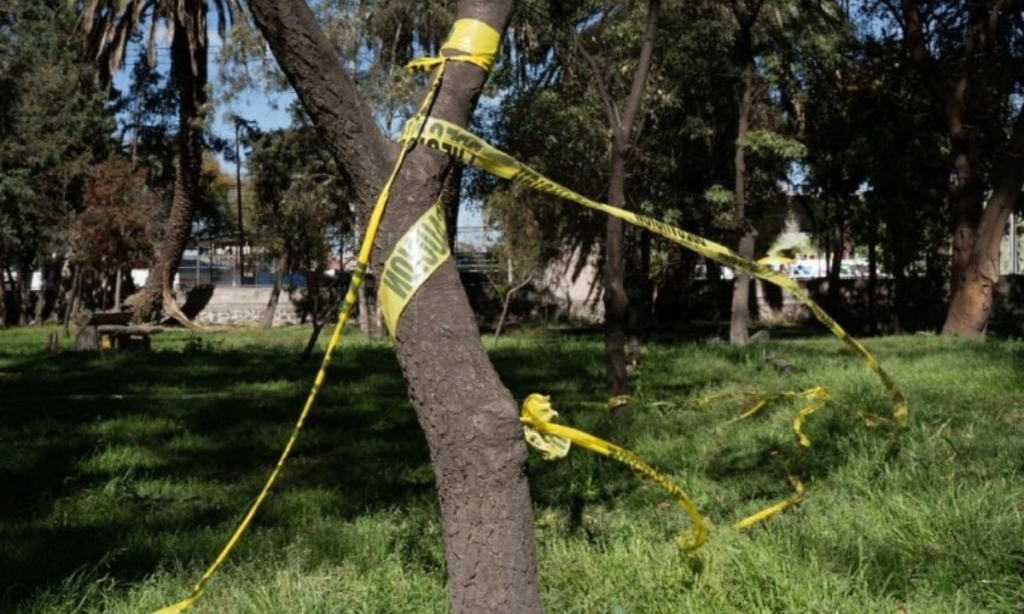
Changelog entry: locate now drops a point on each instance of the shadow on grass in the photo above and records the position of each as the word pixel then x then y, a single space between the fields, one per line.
pixel 145 459
pixel 161 474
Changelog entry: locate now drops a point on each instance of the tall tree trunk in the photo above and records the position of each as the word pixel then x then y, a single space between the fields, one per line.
pixel 640 291
pixel 189 73
pixel 117 287
pixel 970 200
pixel 739 324
pixel 873 275
pixel 15 290
pixel 316 310
pixel 616 302
pixel 835 264
pixel 275 294
pixel 74 298
pixel 620 125
pixel 24 289
pixel 971 306
pixel 475 439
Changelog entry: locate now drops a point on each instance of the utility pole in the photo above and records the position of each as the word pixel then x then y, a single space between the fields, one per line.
pixel 238 188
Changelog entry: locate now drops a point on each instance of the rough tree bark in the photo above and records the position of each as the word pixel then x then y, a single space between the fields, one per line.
pixel 620 127
pixel 451 200
pixel 979 227
pixel 640 291
pixel 189 73
pixel 739 323
pixel 280 267
pixel 472 429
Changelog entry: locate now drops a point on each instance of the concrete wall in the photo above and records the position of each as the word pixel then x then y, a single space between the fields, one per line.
pixel 580 298
pixel 228 306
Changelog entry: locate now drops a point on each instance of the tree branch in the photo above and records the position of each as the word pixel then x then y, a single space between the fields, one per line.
pixel 328 94
pixel 602 89
pixel 643 68
pixel 920 56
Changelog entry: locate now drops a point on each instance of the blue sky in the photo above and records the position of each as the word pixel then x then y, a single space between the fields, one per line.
pixel 268 110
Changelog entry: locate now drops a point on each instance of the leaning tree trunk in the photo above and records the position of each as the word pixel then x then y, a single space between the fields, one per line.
pixel 475 439
pixel 739 324
pixel 189 73
pixel 975 267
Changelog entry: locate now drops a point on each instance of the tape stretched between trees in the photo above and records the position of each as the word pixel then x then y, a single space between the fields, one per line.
pixel 471 149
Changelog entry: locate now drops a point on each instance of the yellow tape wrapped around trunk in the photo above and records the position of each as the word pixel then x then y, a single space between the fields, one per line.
pixel 416 256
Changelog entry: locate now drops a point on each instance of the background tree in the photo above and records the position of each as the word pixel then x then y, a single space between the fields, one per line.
pixel 109 26
pixel 111 234
pixel 969 56
pixel 302 213
pixel 52 124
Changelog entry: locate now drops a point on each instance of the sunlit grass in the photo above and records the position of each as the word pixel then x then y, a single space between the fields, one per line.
pixel 123 475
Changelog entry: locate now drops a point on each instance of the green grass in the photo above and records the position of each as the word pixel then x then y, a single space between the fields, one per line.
pixel 123 474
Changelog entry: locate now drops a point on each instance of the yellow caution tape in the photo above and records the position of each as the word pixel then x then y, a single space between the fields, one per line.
pixel 819 396
pixel 416 256
pixel 473 150
pixel 619 401
pixel 479 58
pixel 554 440
pixel 768 512
pixel 475 41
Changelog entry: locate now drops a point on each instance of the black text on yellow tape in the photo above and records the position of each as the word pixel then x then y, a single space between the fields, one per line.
pixel 471 149
pixel 416 256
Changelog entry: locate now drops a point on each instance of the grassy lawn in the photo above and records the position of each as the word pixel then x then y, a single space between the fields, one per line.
pixel 123 474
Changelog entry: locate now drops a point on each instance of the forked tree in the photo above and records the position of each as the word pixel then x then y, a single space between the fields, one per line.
pixel 621 137
pixel 468 416
pixel 109 26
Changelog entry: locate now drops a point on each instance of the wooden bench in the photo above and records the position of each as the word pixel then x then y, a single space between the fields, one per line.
pixel 113 330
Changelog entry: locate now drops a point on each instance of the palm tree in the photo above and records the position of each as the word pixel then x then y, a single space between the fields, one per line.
pixel 108 26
